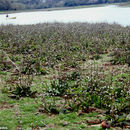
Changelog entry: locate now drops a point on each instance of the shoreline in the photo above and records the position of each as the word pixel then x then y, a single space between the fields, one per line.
pixel 123 4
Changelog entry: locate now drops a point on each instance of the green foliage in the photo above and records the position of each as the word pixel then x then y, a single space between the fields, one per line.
pixel 61 56
pixel 96 57
pixel 50 106
pixel 120 58
pixel 69 50
pixel 5 67
pixel 23 87
pixel 118 109
pixel 74 75
pixel 58 87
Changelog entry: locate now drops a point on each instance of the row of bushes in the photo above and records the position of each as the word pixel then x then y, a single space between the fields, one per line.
pixel 65 44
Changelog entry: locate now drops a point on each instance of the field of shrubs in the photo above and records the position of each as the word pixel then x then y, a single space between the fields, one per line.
pixel 64 76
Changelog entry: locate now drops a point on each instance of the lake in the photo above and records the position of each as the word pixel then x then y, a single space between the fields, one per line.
pixel 110 14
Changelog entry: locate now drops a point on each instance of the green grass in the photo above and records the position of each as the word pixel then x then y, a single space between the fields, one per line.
pixel 8 119
pixel 24 113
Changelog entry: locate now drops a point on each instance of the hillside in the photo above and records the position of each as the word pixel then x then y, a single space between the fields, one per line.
pixel 39 4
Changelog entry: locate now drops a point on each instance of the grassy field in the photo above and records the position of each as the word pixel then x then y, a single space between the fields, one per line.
pixel 64 76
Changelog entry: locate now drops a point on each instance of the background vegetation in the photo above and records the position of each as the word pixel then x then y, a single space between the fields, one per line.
pixel 39 4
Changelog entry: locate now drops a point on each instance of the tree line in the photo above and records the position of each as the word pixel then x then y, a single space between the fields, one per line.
pixel 21 4
pixel 39 4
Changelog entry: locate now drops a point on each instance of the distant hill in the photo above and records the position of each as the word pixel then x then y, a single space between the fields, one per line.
pixel 39 4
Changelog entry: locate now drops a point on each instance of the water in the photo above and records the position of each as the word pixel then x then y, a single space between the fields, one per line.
pixel 110 14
